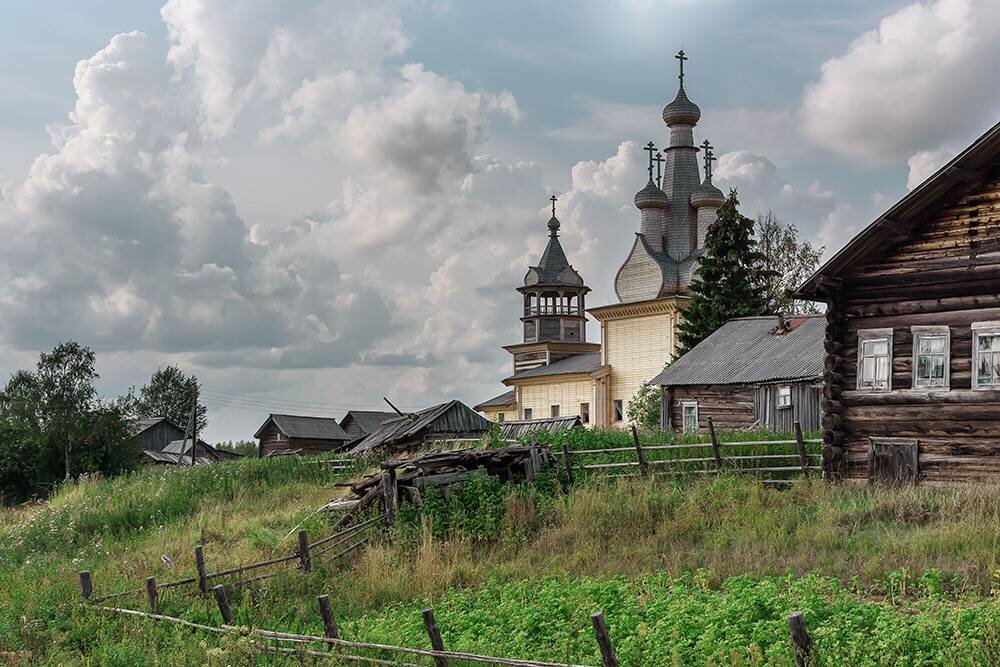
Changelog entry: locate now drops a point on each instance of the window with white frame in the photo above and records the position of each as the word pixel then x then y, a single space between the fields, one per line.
pixel 784 399
pixel 931 357
pixel 986 355
pixel 875 359
pixel 689 413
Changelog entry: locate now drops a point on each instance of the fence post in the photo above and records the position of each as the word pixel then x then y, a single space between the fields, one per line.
pixel 801 444
pixel 567 464
pixel 304 551
pixel 389 495
pixel 716 448
pixel 153 595
pixel 199 561
pixel 801 643
pixel 643 468
pixel 86 585
pixel 329 625
pixel 608 658
pixel 223 601
pixel 434 632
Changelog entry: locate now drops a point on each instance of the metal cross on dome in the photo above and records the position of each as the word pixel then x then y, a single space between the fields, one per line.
pixel 659 159
pixel 553 199
pixel 681 57
pixel 709 158
pixel 650 147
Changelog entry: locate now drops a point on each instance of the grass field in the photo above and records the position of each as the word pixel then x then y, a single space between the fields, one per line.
pixel 687 572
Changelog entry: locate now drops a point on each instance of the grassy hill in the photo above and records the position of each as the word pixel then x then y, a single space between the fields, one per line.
pixel 687 572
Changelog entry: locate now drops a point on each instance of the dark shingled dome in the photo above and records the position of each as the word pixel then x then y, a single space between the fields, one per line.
pixel 651 197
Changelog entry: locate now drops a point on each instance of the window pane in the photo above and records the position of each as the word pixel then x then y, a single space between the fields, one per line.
pixel 867 371
pixel 937 367
pixel 931 344
pixel 988 343
pixel 877 346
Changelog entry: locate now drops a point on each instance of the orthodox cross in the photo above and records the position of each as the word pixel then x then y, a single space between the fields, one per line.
pixel 659 159
pixel 553 200
pixel 709 158
pixel 650 147
pixel 681 57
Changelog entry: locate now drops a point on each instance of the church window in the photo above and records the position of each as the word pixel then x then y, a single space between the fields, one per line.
pixel 689 411
pixel 585 413
pixel 527 413
pixel 553 411
pixel 619 412
pixel 500 418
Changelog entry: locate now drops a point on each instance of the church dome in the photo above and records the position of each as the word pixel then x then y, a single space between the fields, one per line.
pixel 651 197
pixel 681 111
pixel 553 224
pixel 707 195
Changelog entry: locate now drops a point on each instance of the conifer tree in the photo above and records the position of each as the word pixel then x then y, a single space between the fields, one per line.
pixel 731 278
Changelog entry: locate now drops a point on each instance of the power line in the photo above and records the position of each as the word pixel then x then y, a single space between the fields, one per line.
pixel 268 400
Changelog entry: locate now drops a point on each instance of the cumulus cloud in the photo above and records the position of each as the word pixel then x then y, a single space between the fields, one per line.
pixel 924 164
pixel 915 83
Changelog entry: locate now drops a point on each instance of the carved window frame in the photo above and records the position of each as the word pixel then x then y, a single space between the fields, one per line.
pixel 931 331
pixel 991 328
pixel 868 336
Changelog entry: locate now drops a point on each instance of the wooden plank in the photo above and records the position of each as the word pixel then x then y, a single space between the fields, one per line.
pixel 330 629
pixel 801 643
pixel 223 603
pixel 800 443
pixel 608 658
pixel 434 633
pixel 716 450
pixel 643 468
pixel 199 561
pixel 304 561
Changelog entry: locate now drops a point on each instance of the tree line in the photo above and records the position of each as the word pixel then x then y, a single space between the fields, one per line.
pixel 54 425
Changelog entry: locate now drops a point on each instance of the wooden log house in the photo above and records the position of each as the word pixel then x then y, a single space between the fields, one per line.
pixel 752 372
pixel 284 435
pixel 912 366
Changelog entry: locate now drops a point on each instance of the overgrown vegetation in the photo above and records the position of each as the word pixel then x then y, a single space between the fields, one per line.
pixel 693 572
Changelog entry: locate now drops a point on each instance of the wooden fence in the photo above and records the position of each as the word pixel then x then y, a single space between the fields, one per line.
pixel 777 466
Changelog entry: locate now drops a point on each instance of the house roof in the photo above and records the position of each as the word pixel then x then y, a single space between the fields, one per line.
pixel 184 446
pixel 173 459
pixel 450 417
pixel 511 430
pixel 968 166
pixel 368 420
pixel 147 423
pixel 298 426
pixel 578 363
pixel 747 351
pixel 503 400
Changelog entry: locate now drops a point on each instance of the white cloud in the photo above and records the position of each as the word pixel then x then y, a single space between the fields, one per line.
pixel 919 81
pixel 924 164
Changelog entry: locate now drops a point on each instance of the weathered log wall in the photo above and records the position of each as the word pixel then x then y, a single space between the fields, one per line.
pixel 947 272
pixel 730 406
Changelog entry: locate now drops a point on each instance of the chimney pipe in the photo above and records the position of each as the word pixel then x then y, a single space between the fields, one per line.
pixel 782 325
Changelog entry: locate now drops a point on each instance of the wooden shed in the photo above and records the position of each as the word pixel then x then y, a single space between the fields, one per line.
pixel 753 372
pixel 281 435
pixel 359 423
pixel 912 368
pixel 155 433
pixel 411 432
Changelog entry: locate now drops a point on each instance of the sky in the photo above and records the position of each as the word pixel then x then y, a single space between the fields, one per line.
pixel 316 204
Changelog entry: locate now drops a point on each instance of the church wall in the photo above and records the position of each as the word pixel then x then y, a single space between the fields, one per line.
pixel 568 395
pixel 636 348
pixel 494 414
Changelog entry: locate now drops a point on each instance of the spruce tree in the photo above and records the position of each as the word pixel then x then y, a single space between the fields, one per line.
pixel 731 278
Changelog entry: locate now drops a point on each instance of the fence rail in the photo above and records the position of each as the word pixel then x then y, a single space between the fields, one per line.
pixel 712 457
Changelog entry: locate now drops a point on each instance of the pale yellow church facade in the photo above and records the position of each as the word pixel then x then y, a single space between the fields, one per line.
pixel 556 372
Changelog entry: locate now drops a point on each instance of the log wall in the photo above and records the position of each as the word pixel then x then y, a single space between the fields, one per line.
pixel 730 406
pixel 947 272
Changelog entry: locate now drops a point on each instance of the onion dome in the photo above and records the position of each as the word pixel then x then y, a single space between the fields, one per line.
pixel 651 197
pixel 681 111
pixel 707 195
pixel 553 225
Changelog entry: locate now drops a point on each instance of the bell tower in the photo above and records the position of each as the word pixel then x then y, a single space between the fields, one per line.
pixel 553 320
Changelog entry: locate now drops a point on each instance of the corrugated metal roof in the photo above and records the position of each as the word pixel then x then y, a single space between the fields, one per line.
pixel 578 363
pixel 297 426
pixel 746 351
pixel 154 456
pixel 506 398
pixel 450 417
pixel 368 420
pixel 511 430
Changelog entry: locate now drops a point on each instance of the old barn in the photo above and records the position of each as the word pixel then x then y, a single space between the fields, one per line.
pixel 752 372
pixel 359 423
pixel 411 432
pixel 912 367
pixel 283 435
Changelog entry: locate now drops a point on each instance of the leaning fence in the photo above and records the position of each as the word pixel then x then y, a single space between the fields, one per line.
pixel 774 462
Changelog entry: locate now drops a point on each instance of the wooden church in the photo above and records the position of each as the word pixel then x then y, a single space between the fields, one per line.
pixel 912 374
pixel 556 371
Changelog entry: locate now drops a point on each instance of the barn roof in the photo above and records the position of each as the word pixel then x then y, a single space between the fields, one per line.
pixel 368 420
pixel 746 350
pixel 967 167
pixel 504 399
pixel 578 363
pixel 298 426
pixel 514 429
pixel 147 423
pixel 450 417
